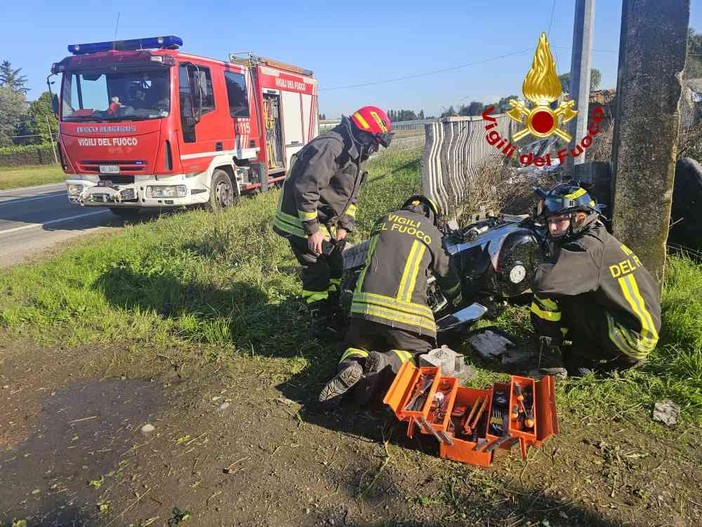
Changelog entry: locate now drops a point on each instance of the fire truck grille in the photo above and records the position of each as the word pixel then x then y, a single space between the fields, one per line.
pixel 124 166
pixel 118 180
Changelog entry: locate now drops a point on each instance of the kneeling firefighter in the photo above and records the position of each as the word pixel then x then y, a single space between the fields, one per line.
pixel 317 206
pixel 391 321
pixel 592 290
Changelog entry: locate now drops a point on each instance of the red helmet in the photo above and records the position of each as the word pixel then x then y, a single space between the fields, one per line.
pixel 373 120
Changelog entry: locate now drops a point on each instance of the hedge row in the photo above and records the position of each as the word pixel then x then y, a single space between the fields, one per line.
pixel 27 155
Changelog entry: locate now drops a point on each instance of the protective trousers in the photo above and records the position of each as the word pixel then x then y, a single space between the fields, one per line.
pixel 321 275
pixel 397 345
pixel 587 325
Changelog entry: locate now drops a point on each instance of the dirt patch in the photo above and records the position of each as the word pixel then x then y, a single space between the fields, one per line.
pixel 236 442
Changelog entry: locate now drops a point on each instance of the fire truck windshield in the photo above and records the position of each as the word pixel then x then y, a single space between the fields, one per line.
pixel 115 95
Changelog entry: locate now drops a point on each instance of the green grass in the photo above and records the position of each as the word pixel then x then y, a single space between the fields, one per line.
pixel 227 280
pixel 27 176
pixel 223 279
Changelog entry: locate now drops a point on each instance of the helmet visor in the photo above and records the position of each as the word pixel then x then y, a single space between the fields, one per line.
pixel 556 204
pixel 384 138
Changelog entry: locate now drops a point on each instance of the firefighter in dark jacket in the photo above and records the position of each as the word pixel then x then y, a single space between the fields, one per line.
pixel 592 291
pixel 317 206
pixel 391 321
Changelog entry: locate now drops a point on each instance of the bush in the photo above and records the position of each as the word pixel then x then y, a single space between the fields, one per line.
pixel 27 155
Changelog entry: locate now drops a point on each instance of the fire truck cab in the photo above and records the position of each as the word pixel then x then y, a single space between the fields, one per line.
pixel 144 125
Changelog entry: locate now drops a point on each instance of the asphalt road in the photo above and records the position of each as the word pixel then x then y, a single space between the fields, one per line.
pixel 34 219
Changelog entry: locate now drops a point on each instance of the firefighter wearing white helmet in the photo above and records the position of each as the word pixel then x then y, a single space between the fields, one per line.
pixel 592 291
pixel 391 321
pixel 317 207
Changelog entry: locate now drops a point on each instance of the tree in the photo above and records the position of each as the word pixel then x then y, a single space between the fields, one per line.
pixel 449 113
pixel 402 115
pixel 503 105
pixel 595 78
pixel 421 114
pixel 41 117
pixel 11 78
pixel 474 108
pixel 13 108
pixel 693 65
pixel 322 117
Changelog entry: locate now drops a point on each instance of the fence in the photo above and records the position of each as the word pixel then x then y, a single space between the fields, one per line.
pixel 454 152
pixel 418 124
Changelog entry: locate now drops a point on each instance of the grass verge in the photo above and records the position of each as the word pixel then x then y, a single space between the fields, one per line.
pixel 227 280
pixel 27 176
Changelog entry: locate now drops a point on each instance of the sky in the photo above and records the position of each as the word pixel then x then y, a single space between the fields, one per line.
pixel 484 46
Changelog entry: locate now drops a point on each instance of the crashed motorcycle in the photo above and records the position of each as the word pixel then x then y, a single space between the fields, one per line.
pixel 496 258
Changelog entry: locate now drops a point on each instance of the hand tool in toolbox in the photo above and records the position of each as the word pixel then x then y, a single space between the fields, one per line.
pixel 469 423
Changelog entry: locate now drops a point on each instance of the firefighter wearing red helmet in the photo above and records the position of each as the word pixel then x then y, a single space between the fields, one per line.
pixel 317 207
pixel 592 292
pixel 391 321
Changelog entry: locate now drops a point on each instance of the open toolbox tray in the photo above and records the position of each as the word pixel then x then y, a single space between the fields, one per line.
pixel 469 423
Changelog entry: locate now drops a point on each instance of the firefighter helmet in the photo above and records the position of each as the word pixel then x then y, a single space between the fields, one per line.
pixel 568 198
pixel 565 198
pixel 374 121
pixel 422 205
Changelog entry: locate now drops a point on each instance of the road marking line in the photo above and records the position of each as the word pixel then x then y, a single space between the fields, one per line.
pixel 59 220
pixel 12 199
pixel 47 186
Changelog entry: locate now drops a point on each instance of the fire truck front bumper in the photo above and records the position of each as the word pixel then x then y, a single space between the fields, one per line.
pixel 149 193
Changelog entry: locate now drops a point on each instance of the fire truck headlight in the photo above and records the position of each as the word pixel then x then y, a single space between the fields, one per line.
pixel 168 191
pixel 74 190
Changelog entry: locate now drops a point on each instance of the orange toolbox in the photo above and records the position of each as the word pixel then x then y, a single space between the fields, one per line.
pixel 471 424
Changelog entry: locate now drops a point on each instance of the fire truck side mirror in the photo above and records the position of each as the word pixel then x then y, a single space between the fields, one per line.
pixel 55 104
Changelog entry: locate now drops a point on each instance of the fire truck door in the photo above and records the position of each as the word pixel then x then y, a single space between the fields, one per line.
pixel 201 129
pixel 274 131
pixel 293 123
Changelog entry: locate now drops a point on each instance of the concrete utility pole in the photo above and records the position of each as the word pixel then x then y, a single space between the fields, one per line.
pixel 580 63
pixel 651 57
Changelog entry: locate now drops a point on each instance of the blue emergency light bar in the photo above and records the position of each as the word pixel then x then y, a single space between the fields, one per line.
pixel 168 42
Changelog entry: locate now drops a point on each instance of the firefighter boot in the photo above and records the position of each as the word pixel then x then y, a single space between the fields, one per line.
pixel 332 393
pixel 551 359
pixel 321 326
pixel 337 316
pixel 373 370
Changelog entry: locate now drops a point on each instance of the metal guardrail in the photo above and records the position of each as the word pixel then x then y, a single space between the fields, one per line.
pixel 454 153
pixel 418 124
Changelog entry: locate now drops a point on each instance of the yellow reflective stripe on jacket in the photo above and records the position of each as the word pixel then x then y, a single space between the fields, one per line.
pixel 293 225
pixel 394 303
pixel 353 352
pixel 307 216
pixel 630 290
pixel 369 257
pixel 351 211
pixel 409 274
pixel 403 355
pixel 393 315
pixel 551 316
pixel 314 296
pixel 285 226
pixel 620 337
pixel 334 284
pixel 547 303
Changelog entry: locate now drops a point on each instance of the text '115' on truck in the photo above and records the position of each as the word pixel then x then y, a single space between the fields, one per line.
pixel 143 125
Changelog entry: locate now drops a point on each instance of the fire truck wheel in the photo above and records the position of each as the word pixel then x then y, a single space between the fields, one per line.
pixel 222 194
pixel 127 214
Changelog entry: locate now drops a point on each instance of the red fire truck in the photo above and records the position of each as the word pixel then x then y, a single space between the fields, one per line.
pixel 144 125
